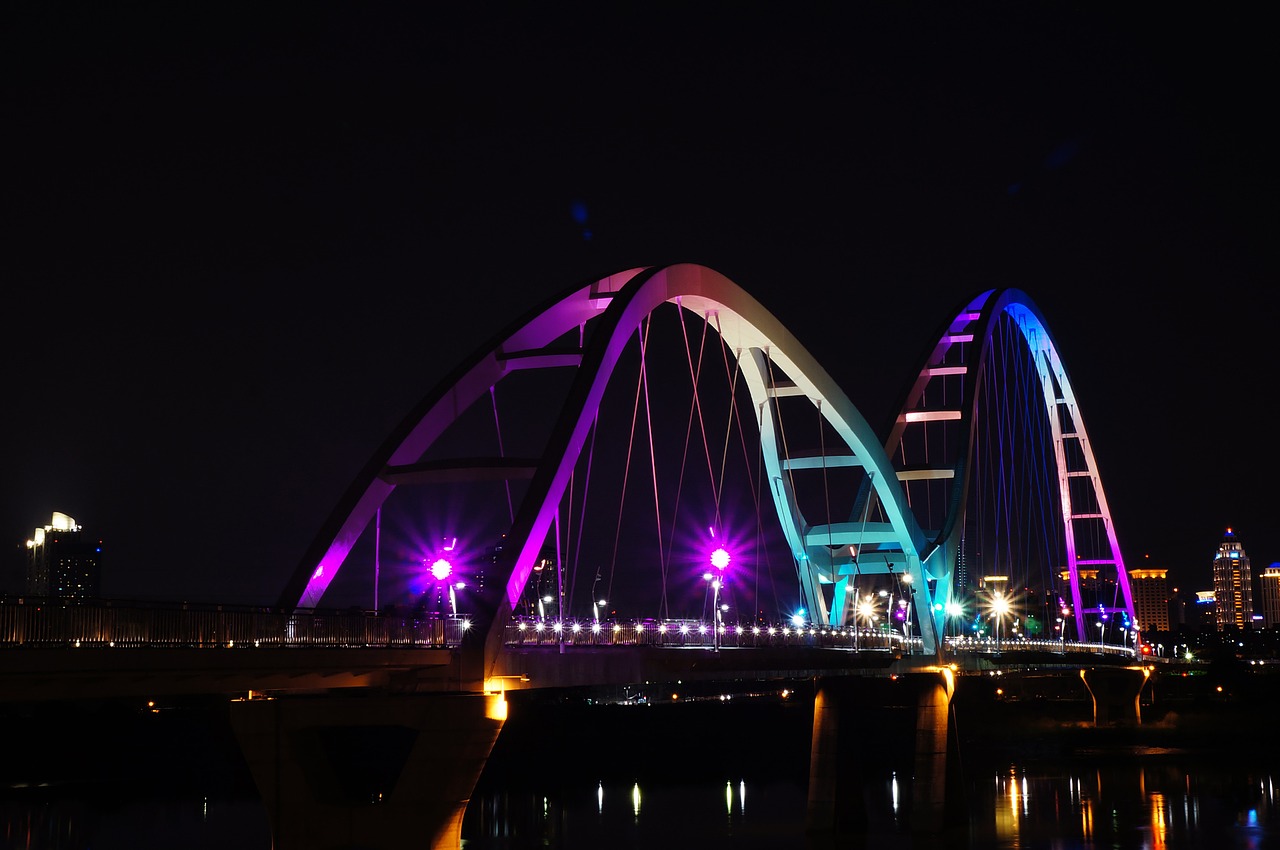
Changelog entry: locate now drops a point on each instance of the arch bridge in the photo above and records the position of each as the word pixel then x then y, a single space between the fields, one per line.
pixel 581 466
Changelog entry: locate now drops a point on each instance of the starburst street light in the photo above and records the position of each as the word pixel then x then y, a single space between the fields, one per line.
pixel 444 577
pixel 715 577
pixel 999 608
pixel 954 611
pixel 866 612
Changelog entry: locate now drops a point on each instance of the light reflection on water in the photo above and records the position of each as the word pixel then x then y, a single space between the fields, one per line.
pixel 1151 803
pixel 1140 801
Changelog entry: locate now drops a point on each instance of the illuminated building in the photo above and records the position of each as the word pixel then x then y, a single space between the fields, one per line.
pixel 1150 598
pixel 1232 584
pixel 1271 596
pixel 63 562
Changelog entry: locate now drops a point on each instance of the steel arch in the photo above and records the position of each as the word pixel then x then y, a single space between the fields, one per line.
pixel 618 304
pixel 970 333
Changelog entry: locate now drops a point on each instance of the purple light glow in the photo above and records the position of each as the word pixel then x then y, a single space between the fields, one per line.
pixel 441 569
pixel 720 558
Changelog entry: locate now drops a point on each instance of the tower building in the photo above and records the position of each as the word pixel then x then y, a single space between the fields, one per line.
pixel 64 562
pixel 1232 584
pixel 1271 596
pixel 1150 598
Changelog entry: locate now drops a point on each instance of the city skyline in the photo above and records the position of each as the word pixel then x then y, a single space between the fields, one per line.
pixel 242 251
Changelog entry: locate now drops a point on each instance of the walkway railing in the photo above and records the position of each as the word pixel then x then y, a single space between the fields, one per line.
pixel 30 622
pixel 676 633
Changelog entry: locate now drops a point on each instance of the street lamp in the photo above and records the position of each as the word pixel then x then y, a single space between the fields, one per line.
pixel 866 612
pixel 904 607
pixel 999 607
pixel 954 610
pixel 719 561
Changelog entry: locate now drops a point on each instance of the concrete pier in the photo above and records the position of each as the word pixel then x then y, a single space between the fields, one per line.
pixel 1116 693
pixel 367 772
pixel 836 801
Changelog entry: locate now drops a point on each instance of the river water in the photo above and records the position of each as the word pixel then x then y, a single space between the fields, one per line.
pixel 710 775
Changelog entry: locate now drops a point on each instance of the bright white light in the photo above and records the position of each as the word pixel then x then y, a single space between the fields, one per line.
pixel 720 559
pixel 441 569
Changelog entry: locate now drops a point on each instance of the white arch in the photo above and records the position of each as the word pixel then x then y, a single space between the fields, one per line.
pixel 973 328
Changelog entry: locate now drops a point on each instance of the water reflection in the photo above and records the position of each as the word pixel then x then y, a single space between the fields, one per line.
pixel 1154 804
pixel 1138 803
pixel 1133 801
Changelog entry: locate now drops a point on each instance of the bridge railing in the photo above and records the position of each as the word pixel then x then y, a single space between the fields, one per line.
pixel 31 622
pixel 676 633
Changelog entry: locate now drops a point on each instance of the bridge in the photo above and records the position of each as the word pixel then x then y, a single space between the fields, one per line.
pixel 647 478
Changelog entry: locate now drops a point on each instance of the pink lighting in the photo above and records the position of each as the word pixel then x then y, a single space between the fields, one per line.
pixel 441 569
pixel 720 558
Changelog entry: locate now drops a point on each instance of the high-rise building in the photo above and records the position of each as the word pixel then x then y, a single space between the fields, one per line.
pixel 1271 596
pixel 1232 584
pixel 1150 598
pixel 64 562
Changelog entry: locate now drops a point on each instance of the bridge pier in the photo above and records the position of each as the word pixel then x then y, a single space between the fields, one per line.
pixel 836 802
pixel 931 791
pixel 371 772
pixel 1116 693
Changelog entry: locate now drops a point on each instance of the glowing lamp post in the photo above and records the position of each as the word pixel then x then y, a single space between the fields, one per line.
pixel 719 561
pixel 955 611
pixel 905 605
pixel 999 607
pixel 866 613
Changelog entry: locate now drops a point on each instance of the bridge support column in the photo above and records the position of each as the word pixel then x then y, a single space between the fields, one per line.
pixel 931 792
pixel 835 788
pixel 1116 692
pixel 849 709
pixel 372 772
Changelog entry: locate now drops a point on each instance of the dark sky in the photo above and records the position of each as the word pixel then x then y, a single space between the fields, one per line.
pixel 242 242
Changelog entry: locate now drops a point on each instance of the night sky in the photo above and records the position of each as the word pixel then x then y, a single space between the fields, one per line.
pixel 240 243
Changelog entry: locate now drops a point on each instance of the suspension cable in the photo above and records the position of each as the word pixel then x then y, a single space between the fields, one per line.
pixel 694 409
pixel 786 452
pixel 493 399
pixel 653 461
pixel 582 515
pixel 626 475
